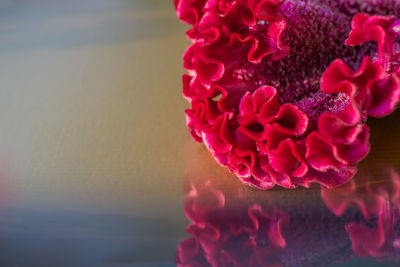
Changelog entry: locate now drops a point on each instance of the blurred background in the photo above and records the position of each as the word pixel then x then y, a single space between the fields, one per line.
pixel 93 137
pixel 93 143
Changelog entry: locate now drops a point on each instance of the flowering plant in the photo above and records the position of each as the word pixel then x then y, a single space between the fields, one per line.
pixel 280 91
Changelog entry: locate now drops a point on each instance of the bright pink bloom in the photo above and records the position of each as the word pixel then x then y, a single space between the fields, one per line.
pixel 280 90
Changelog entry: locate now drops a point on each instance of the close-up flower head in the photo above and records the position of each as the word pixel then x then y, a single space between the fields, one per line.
pixel 281 90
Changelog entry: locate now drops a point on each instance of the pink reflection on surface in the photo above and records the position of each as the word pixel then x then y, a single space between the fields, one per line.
pixel 230 232
pixel 378 200
pixel 233 225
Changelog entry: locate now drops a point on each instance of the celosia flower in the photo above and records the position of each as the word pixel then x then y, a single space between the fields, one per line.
pixel 280 91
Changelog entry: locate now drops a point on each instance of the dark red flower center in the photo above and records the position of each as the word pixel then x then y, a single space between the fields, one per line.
pixel 316 32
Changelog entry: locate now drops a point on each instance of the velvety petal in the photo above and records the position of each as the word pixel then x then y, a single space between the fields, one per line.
pixel 246 105
pixel 273 137
pixel 214 140
pixel 289 159
pixel 291 120
pixel 337 131
pixel 185 9
pixel 209 27
pixel 266 9
pixel 207 68
pixel 270 106
pixel 374 28
pixel 338 77
pixel 252 127
pixel 265 95
pixel 357 150
pixel 384 96
pixel 322 155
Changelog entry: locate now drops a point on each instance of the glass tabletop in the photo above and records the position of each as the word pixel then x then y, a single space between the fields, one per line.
pixel 98 168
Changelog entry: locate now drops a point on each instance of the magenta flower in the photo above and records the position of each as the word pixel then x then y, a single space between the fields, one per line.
pixel 280 91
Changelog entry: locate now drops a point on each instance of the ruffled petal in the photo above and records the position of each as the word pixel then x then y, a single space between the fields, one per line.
pixel 291 120
pixel 274 117
pixel 322 155
pixel 289 159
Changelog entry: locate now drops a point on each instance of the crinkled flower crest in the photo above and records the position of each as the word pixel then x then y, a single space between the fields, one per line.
pixel 280 91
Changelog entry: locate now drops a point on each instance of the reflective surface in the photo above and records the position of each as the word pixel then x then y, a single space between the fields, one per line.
pixel 98 169
pixel 231 225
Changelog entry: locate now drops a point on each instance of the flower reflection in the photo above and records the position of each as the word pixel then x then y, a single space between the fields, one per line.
pixel 227 231
pixel 231 225
pixel 379 202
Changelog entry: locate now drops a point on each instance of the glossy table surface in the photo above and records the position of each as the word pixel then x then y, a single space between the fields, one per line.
pixel 98 169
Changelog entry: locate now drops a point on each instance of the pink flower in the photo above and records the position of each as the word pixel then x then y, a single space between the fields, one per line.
pixel 280 91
